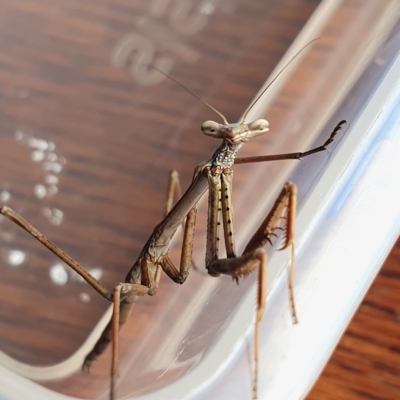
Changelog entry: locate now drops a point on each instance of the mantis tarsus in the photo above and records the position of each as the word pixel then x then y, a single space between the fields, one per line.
pixel 215 175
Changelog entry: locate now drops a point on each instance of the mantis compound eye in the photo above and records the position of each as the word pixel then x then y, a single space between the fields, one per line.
pixel 210 128
pixel 258 127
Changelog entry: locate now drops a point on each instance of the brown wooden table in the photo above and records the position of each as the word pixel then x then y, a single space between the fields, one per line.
pixel 88 137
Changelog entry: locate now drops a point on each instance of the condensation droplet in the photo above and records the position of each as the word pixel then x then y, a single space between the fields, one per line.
pixel 18 135
pixel 39 144
pixel 96 272
pixel 84 297
pixel 51 179
pixel 52 157
pixel 207 9
pixel 5 195
pixel 40 191
pixel 58 213
pixel 58 274
pixel 47 212
pixel 55 221
pixel 16 257
pixel 54 215
pixel 37 156
pixel 52 190
pixel 52 167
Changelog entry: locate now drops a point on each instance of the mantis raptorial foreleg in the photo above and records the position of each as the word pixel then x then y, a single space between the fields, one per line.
pixel 293 156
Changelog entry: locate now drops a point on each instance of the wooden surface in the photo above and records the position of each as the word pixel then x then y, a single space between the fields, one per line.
pixel 366 363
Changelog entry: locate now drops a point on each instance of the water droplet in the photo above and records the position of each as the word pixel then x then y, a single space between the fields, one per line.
pixel 51 179
pixel 40 191
pixel 207 8
pixel 54 215
pixel 18 135
pixel 47 212
pixel 58 274
pixel 52 167
pixel 52 157
pixel 16 257
pixel 5 196
pixel 39 144
pixel 37 155
pixel 84 297
pixel 52 190
pixel 96 272
pixel 58 213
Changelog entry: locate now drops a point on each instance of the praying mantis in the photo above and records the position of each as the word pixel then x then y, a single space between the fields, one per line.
pixel 216 175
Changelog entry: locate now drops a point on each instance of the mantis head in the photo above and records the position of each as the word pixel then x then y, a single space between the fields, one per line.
pixel 239 132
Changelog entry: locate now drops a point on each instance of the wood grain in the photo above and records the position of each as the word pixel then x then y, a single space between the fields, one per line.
pixel 109 144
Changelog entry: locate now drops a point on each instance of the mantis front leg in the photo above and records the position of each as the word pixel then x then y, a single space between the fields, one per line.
pixel 293 156
pixel 282 213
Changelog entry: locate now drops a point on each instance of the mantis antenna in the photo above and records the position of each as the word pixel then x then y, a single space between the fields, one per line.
pixel 254 102
pixel 275 78
pixel 193 94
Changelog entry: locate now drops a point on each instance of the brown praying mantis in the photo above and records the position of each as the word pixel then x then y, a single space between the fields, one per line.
pixel 215 175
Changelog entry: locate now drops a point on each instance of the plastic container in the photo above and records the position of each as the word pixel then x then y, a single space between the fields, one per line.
pixel 86 158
